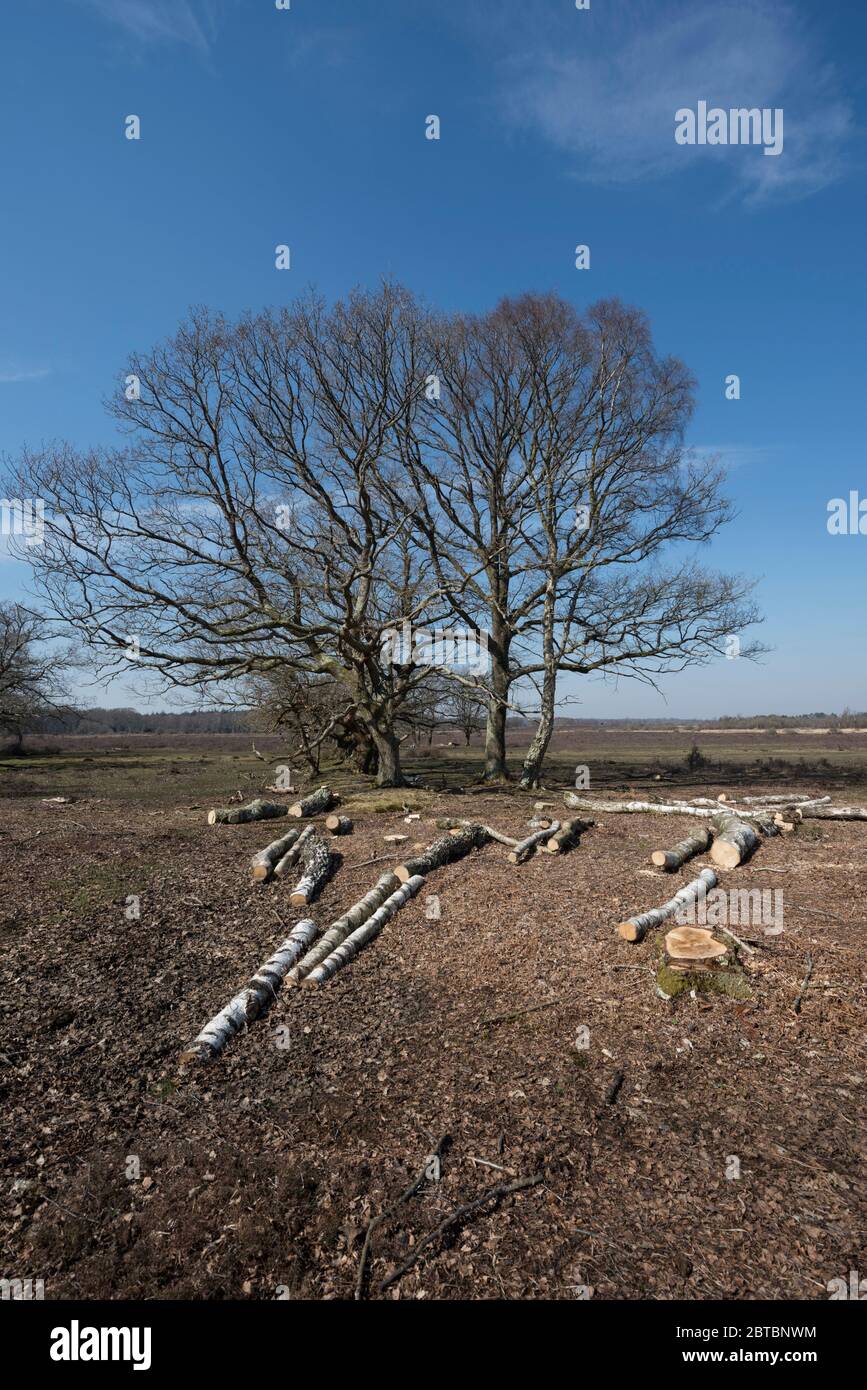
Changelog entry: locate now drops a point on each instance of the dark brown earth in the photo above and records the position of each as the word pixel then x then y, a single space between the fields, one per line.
pixel 259 1174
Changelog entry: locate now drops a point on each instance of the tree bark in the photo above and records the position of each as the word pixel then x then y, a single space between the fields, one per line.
pixel 313 805
pixel 254 999
pixel 568 835
pixel 388 772
pixel 636 928
pixel 833 812
pixel 339 930
pixel 670 859
pixel 316 857
pixel 525 848
pixel 452 824
pixel 353 943
pixel 339 825
pixel 239 815
pixel 445 850
pixel 496 769
pixel 290 859
pixel 734 840
pixel 262 864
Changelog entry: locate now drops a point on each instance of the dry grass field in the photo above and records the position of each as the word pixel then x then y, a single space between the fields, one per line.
pixel 256 1176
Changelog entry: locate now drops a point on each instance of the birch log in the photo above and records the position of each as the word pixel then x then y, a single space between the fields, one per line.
pixel 291 857
pixel 253 999
pixel 316 858
pixel 445 850
pixel 314 804
pixel 778 799
pixel 734 840
pixel 525 848
pixel 833 812
pixel 568 835
pixel 451 824
pixel 238 815
pixel 585 803
pixel 636 928
pixel 670 859
pixel 338 825
pixel 262 864
pixel 349 948
pixel 339 930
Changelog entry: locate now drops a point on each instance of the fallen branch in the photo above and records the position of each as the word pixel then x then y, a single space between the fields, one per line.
pixel 349 948
pixel 414 1187
pixel 491 1194
pixel 451 824
pixel 636 928
pixel 252 1001
pixel 803 989
pixel 525 848
pixel 833 812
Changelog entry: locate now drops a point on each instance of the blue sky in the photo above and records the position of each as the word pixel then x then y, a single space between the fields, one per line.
pixel 307 127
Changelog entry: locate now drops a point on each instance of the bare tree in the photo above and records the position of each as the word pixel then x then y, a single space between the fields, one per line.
pixel 30 673
pixel 552 473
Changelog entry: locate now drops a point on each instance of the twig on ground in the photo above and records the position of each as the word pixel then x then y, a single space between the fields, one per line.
pixel 533 1009
pixel 803 988
pixel 415 1186
pixel 614 1089
pixel 491 1194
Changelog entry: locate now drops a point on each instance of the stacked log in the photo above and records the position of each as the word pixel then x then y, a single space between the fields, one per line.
pixel 734 840
pixel 636 928
pixel 353 943
pixel 313 805
pixel 292 855
pixel 239 815
pixel 445 850
pixel 316 858
pixel 252 1001
pixel 568 835
pixel 262 864
pixel 339 930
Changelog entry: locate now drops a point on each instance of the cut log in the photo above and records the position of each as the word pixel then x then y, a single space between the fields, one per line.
pixel 313 805
pixel 262 864
pixel 452 825
pixel 636 928
pixel 291 857
pixel 445 850
pixel 525 848
pixel 353 943
pixel 833 812
pixel 339 930
pixel 778 799
pixel 670 859
pixel 568 835
pixel 316 858
pixel 339 825
pixel 788 818
pixel 253 999
pixel 586 803
pixel 239 815
pixel 734 840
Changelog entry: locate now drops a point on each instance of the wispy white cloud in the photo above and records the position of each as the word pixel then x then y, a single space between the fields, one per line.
pixel 733 456
pixel 606 93
pixel 160 21
pixel 13 373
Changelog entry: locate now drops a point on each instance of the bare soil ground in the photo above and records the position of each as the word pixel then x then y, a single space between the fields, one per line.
pixel 258 1175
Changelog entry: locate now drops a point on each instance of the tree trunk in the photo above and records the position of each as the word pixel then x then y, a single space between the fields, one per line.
pixel 388 772
pixel 443 851
pixel 353 943
pixel 734 840
pixel 496 769
pixel 257 810
pixel 339 930
pixel 532 771
pixel 316 858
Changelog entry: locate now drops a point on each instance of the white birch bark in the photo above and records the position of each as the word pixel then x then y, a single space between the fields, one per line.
pixel 353 943
pixel 339 930
pixel 636 928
